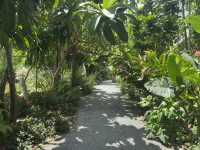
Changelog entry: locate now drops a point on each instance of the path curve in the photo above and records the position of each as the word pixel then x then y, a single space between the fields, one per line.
pixel 105 121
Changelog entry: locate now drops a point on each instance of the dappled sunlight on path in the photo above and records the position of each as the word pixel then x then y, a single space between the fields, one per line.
pixel 106 121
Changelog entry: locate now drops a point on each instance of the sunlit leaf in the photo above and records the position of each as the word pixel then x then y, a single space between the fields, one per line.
pixel 98 23
pixel 161 87
pixel 56 3
pixel 119 28
pixel 195 22
pixel 108 34
pixel 173 67
pixel 120 10
pixel 108 14
pixel 189 58
pixel 109 3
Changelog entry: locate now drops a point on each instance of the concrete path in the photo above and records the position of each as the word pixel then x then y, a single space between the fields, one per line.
pixel 105 121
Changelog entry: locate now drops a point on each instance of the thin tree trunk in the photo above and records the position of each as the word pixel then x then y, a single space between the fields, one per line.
pixel 22 82
pixel 36 78
pixel 11 81
pixel 56 68
pixel 59 62
pixel 2 89
pixel 74 68
pixel 189 29
pixel 27 74
pixel 185 28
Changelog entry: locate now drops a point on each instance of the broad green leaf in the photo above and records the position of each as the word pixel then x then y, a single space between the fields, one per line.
pixel 109 3
pixel 7 17
pixel 191 75
pixel 195 22
pixel 85 5
pixel 161 87
pixel 173 68
pixel 98 23
pixel 108 14
pixel 119 10
pixel 189 59
pixel 56 3
pixel 119 28
pixel 108 34
pixel 25 10
pixel 182 69
pixel 26 42
pixel 21 41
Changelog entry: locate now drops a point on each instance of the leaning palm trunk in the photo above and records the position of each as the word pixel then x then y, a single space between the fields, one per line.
pixel 11 81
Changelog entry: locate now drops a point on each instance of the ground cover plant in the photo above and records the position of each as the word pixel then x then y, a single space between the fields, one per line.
pixel 54 52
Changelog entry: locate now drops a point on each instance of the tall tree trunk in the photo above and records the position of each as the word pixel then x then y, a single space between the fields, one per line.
pixel 56 69
pixel 36 78
pixel 2 90
pixel 3 85
pixel 189 8
pixel 74 68
pixel 185 27
pixel 60 59
pixel 11 81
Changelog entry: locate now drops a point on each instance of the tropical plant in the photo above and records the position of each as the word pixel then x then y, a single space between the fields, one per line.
pixel 5 129
pixel 194 21
pixel 172 76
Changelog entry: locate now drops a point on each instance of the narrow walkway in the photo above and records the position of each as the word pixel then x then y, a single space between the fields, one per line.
pixel 106 121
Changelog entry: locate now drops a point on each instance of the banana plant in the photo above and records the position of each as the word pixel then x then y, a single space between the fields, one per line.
pixel 16 21
pixel 108 19
pixel 195 22
pixel 104 18
pixel 174 70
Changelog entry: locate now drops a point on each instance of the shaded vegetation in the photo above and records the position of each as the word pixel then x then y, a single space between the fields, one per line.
pixel 53 52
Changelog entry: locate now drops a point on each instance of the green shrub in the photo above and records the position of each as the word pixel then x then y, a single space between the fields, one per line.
pixel 47 100
pixel 40 125
pixel 168 122
pixel 87 84
pixel 195 147
pixel 175 79
pixel 46 115
pixel 72 98
pixel 148 102
pixel 103 74
pixel 62 124
pixel 123 86
pixel 63 87
pixel 132 92
pixel 33 131
pixel 5 130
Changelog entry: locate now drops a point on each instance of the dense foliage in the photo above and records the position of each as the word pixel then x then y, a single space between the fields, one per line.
pixel 53 52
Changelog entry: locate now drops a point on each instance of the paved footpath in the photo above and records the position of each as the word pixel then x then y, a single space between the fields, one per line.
pixel 106 121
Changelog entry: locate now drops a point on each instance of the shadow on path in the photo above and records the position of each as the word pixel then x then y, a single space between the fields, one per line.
pixel 106 121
